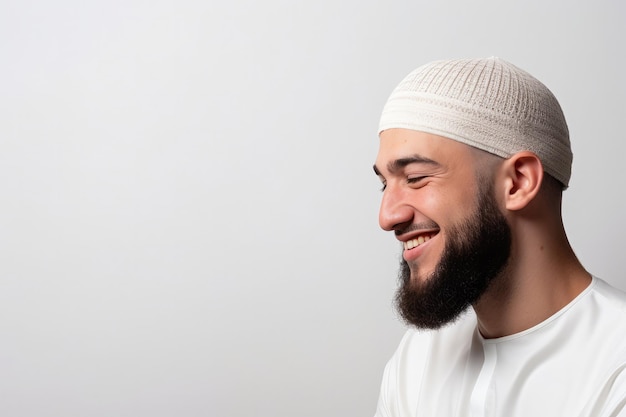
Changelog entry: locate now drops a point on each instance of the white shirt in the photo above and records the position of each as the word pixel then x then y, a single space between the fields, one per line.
pixel 572 364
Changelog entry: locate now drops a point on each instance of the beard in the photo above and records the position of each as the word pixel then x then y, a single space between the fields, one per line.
pixel 476 252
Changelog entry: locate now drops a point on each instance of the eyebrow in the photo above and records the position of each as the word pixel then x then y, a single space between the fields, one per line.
pixel 397 164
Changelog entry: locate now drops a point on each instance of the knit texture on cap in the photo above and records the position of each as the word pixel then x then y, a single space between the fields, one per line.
pixel 486 103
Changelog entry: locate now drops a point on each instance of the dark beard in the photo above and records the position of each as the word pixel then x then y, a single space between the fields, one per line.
pixel 477 250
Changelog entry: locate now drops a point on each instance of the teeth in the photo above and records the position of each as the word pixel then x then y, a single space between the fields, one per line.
pixel 416 242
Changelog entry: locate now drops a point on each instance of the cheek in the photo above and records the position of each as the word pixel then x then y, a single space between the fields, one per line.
pixel 462 201
pixel 447 203
pixel 440 207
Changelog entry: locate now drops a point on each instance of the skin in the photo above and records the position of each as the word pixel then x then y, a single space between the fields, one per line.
pixel 429 183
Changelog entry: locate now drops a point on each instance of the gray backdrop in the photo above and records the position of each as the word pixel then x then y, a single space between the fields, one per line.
pixel 189 214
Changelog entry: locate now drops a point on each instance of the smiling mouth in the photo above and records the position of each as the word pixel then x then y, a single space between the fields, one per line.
pixel 413 243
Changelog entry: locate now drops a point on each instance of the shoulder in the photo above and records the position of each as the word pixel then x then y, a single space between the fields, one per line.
pixel 613 298
pixel 603 319
pixel 605 308
pixel 421 345
pixel 420 354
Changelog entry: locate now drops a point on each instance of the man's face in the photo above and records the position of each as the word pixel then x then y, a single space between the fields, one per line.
pixel 455 239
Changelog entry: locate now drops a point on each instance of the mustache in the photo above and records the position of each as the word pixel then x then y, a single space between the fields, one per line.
pixel 424 225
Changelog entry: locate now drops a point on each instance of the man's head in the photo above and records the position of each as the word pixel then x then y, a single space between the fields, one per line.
pixel 489 104
pixel 449 132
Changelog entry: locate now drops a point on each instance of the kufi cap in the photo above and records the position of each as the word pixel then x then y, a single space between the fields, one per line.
pixel 486 103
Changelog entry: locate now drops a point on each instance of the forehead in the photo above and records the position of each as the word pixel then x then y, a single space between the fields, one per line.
pixel 396 144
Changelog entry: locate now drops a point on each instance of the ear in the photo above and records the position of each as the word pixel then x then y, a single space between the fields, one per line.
pixel 523 175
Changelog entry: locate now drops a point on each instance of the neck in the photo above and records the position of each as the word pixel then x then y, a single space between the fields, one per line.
pixel 539 280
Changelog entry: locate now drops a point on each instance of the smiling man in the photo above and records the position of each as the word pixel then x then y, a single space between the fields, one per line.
pixel 505 321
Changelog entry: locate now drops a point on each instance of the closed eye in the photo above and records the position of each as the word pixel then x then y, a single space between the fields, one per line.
pixel 414 180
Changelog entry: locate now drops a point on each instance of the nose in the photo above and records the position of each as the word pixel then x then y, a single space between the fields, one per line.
pixel 395 213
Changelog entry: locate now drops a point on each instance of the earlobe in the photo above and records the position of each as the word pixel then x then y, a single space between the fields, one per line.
pixel 524 175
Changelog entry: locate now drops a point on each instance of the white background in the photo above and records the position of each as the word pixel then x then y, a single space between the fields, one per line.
pixel 188 210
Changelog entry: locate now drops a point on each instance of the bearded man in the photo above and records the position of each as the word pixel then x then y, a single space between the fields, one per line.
pixel 504 320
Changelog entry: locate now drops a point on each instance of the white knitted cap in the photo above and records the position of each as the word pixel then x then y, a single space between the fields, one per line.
pixel 487 103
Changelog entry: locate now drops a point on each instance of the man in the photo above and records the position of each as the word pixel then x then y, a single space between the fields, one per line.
pixel 505 321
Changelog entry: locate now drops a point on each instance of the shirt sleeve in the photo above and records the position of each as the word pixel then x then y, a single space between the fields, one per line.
pixel 401 378
pixel 616 403
pixel 383 408
pixel 611 399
